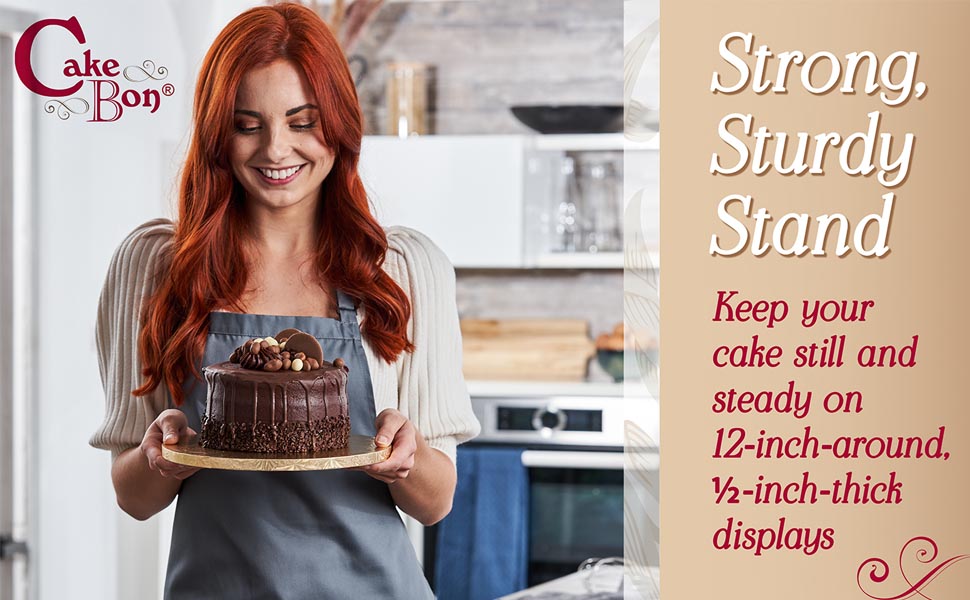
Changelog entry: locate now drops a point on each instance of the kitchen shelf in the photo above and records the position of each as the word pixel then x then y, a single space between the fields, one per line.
pixel 654 256
pixel 579 260
pixel 651 144
pixel 582 260
pixel 591 142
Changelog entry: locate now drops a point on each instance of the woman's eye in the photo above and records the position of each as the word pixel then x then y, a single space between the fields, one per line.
pixel 309 125
pixel 242 128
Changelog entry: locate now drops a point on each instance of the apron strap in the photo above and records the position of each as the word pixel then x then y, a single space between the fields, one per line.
pixel 345 305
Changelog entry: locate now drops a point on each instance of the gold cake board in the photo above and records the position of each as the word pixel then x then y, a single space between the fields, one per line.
pixel 360 451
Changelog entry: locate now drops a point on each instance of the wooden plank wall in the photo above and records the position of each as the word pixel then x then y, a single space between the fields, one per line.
pixel 491 54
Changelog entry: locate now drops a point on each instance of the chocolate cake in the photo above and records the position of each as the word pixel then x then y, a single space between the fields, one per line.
pixel 276 394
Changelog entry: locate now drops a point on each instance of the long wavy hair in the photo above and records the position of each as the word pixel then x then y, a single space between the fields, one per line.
pixel 208 268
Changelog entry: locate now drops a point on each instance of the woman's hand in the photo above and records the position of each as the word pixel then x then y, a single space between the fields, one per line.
pixel 395 430
pixel 169 427
pixel 135 472
pixel 423 478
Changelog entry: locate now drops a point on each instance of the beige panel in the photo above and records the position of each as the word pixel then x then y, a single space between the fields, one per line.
pixel 920 287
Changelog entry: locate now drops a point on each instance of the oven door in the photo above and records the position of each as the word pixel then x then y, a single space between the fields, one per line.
pixel 575 510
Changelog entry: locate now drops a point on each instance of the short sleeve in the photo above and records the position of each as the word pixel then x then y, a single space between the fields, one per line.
pixel 135 269
pixel 431 388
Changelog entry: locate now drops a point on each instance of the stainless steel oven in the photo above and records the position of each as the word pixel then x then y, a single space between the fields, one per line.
pixel 573 453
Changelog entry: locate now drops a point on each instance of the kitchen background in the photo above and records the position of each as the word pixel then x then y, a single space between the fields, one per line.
pixel 491 191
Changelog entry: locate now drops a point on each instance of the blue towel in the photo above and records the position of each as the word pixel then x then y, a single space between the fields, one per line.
pixel 482 550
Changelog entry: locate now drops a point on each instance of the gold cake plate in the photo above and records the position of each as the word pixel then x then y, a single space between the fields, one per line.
pixel 360 451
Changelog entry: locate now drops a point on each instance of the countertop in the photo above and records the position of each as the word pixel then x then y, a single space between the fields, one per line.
pixel 574 587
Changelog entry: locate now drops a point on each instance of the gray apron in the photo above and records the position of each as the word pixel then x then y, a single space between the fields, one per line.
pixel 310 535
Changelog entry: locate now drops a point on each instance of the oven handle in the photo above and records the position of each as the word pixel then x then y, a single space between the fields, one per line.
pixel 572 460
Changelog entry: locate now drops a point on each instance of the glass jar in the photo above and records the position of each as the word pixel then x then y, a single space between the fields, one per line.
pixel 601 225
pixel 407 99
pixel 569 213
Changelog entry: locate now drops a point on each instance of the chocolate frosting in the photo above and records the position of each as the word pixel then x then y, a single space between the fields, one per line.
pixel 275 407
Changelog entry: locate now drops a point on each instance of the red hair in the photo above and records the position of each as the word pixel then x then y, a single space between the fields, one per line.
pixel 207 265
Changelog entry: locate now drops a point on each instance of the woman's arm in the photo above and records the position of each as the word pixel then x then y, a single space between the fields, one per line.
pixel 144 482
pixel 139 261
pixel 426 385
pixel 422 479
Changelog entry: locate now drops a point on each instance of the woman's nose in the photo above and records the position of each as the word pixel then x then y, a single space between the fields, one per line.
pixel 278 145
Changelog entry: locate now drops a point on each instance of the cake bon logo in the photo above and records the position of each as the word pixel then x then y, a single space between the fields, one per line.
pixel 109 100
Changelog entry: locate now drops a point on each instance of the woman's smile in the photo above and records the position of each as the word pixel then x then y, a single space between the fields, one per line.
pixel 280 176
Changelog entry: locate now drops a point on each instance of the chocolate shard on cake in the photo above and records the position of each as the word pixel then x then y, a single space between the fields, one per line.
pixel 271 398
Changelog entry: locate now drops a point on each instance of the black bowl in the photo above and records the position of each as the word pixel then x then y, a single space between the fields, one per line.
pixel 571 119
pixel 612 362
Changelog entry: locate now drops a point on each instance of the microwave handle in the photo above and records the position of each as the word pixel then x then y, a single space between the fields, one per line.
pixel 572 460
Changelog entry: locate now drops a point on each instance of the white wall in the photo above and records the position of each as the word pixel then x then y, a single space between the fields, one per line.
pixel 97 181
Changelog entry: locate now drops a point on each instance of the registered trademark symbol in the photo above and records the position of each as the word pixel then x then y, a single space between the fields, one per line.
pixel 168 89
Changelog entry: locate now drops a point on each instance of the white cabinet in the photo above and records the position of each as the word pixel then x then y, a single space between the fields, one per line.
pixel 487 200
pixel 464 192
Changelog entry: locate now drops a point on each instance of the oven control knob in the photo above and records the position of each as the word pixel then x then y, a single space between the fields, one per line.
pixel 548 420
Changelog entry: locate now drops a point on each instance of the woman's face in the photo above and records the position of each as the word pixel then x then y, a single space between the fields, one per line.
pixel 277 151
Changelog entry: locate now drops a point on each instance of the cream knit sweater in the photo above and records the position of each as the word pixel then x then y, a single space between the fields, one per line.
pixel 426 386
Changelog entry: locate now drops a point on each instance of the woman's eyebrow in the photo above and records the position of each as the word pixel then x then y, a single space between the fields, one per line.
pixel 293 111
pixel 289 113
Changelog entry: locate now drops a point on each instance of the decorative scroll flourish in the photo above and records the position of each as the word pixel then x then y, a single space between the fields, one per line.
pixel 641 297
pixel 147 70
pixel 925 551
pixel 641 512
pixel 641 122
pixel 641 317
pixel 64 109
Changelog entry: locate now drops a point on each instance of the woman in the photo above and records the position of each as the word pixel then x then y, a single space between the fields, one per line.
pixel 274 231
